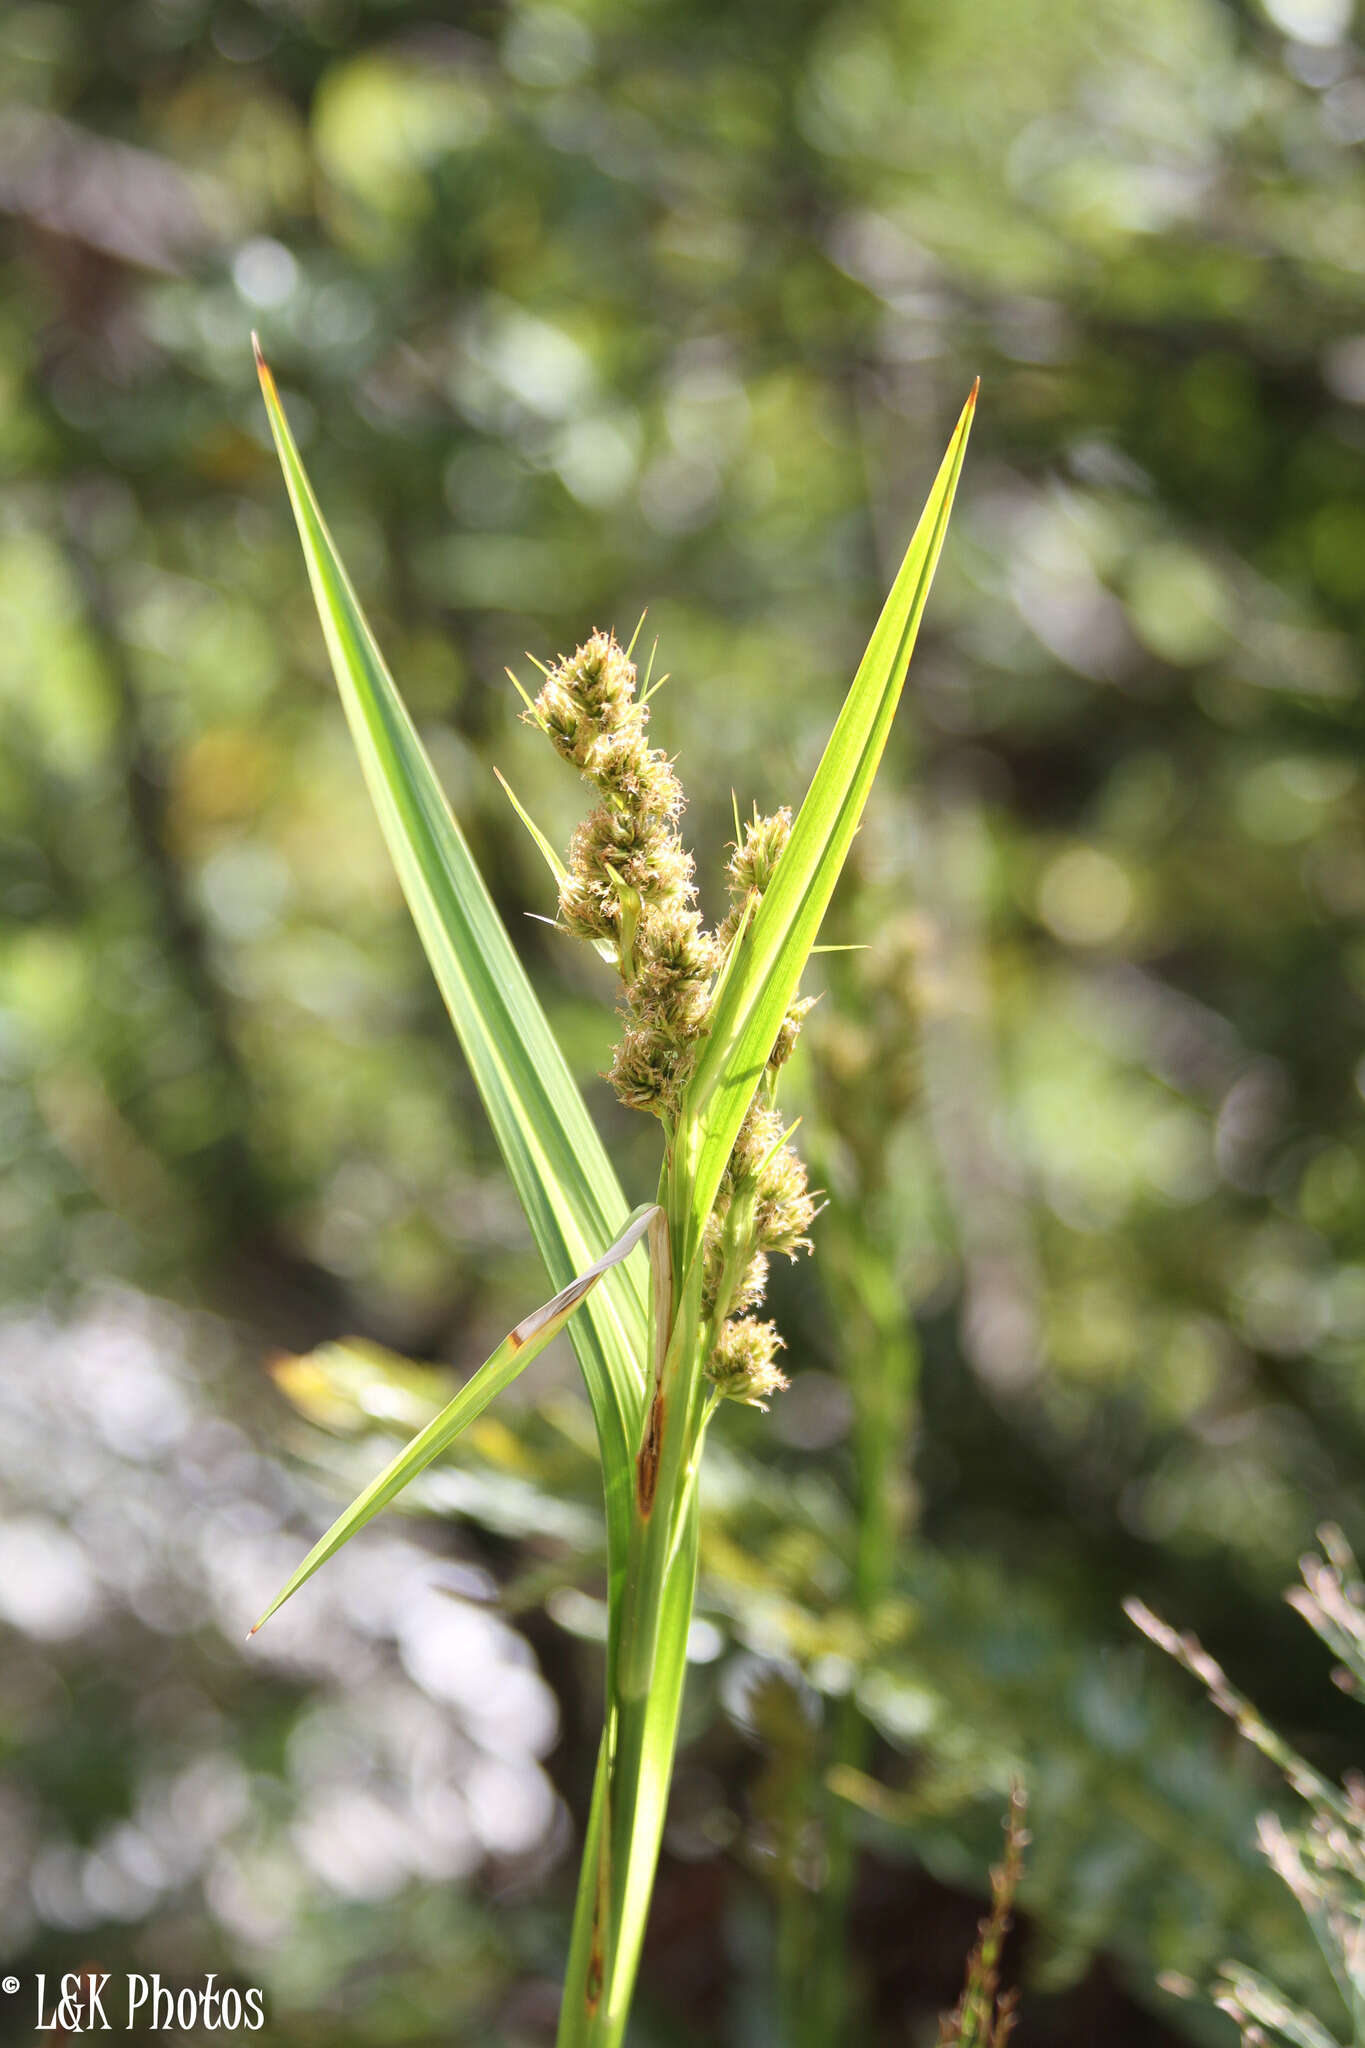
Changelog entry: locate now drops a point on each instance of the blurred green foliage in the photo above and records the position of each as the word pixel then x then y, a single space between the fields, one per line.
pixel 585 308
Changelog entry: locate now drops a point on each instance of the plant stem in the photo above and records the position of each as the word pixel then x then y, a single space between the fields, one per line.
pixel 646 1659
pixel 625 1828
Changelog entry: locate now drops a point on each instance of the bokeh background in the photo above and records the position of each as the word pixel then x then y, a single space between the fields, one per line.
pixel 581 309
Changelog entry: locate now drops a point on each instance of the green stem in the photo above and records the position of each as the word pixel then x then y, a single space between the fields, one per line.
pixel 625 1825
pixel 646 1663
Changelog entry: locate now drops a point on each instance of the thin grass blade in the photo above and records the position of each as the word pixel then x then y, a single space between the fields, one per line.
pixel 767 964
pixel 604 947
pixel 543 846
pixel 512 1356
pixel 561 1172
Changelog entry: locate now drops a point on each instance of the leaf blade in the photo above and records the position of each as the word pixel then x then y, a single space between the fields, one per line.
pixel 763 976
pixel 512 1356
pixel 566 1184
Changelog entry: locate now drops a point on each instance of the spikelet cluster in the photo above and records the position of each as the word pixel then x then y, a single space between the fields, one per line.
pixel 629 877
pixel 751 866
pixel 764 1205
pixel 629 882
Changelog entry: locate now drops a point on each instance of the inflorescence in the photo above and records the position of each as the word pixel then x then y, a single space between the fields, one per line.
pixel 629 884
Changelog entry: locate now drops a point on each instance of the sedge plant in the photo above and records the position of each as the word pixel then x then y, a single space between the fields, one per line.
pixel 663 1339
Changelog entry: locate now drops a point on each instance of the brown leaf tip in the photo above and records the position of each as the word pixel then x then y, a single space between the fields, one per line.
pixel 263 370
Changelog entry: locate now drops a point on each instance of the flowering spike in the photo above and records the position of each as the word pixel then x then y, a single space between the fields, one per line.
pixel 628 888
pixel 629 877
pixel 743 1363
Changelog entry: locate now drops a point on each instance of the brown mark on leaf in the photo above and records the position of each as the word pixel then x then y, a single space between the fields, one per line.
pixel 597 1967
pixel 647 1464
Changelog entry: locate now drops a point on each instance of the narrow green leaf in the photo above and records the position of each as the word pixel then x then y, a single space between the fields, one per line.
pixel 585 1968
pixel 552 861
pixel 515 1352
pixel 562 1175
pixel 763 977
pixel 524 695
pixel 547 852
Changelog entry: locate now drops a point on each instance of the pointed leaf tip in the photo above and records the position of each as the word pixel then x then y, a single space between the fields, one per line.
pixel 561 1170
pixel 971 395
pixel 761 975
pixel 263 370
